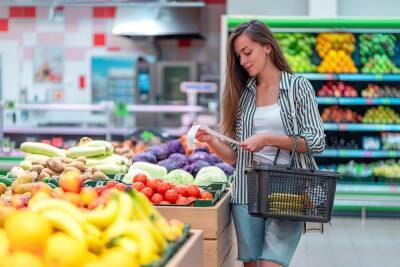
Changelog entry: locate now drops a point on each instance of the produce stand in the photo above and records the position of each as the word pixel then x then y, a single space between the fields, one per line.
pixel 190 254
pixel 214 221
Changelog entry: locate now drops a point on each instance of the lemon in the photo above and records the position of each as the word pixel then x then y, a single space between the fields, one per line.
pixel 64 251
pixel 23 259
pixel 117 257
pixel 27 230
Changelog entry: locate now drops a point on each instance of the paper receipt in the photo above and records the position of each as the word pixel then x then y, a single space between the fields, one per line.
pixel 193 130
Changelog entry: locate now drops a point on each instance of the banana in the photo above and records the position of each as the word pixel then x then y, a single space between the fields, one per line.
pixel 4 244
pixel 124 212
pixel 104 215
pixel 151 212
pixel 58 205
pixel 145 240
pixel 65 223
pixel 158 236
pixel 128 245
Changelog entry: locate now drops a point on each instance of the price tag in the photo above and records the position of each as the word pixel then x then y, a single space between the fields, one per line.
pixel 379 77
pixel 369 101
pixel 368 154
pixel 393 188
pixel 343 127
pixel 330 76
pixel 392 154
pixel 386 101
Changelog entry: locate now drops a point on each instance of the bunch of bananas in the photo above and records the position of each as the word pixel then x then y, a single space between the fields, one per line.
pixel 127 230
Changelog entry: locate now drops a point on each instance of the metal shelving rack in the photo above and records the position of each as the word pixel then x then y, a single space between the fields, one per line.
pixel 361 197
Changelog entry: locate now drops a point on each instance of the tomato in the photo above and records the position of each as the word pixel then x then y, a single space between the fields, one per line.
pixel 181 190
pixel 206 195
pixel 140 178
pixel 121 186
pixel 139 186
pixel 171 195
pixel 157 198
pixel 158 180
pixel 163 187
pixel 148 192
pixel 100 189
pixel 193 191
pixel 152 184
pixel 164 202
pixel 111 184
pixel 191 199
pixel 182 201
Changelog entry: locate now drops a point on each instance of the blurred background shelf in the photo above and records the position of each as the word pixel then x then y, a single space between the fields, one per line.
pixel 358 101
pixel 359 153
pixel 361 127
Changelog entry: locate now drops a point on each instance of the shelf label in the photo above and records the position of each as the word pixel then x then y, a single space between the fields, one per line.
pixel 330 76
pixel 379 77
pixel 392 153
pixel 386 101
pixel 393 188
pixel 343 127
pixel 368 153
pixel 198 87
pixel 369 101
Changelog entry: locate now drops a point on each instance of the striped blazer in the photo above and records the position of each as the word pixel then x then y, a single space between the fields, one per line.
pixel 310 127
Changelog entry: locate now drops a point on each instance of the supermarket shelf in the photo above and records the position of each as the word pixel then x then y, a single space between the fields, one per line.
pixel 358 101
pixel 83 131
pixel 352 77
pixel 367 189
pixel 358 153
pixel 7 162
pixel 361 127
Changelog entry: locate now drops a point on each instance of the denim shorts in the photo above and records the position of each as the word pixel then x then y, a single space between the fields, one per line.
pixel 265 239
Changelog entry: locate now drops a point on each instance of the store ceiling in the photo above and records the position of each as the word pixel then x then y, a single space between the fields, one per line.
pixel 94 2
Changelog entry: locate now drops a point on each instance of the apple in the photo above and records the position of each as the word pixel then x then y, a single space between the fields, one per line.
pixel 88 195
pixel 71 181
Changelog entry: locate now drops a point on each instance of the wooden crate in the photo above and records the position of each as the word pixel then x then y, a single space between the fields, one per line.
pixel 212 220
pixel 191 253
pixel 230 259
pixel 216 250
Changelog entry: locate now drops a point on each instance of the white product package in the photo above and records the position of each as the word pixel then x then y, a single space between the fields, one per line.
pixel 193 130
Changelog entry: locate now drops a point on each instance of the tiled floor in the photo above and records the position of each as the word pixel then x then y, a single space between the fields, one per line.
pixel 351 243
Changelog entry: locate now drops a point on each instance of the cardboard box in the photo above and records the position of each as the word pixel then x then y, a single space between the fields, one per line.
pixel 212 220
pixel 191 253
pixel 216 250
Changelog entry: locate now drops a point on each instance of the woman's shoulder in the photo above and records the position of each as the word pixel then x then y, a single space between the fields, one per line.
pixel 302 84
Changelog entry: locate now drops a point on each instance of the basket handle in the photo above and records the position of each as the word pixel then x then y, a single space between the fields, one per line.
pixel 292 153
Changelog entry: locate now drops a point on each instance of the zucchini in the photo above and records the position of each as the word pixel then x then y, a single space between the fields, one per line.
pixel 6 181
pixel 111 168
pixel 42 149
pixel 41 159
pixel 86 151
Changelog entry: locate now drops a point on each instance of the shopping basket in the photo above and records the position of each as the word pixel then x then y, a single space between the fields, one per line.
pixel 285 192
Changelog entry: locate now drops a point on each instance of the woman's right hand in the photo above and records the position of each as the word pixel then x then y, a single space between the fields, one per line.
pixel 204 136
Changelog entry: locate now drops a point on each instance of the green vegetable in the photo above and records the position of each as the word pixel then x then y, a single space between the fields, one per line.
pixel 86 151
pixel 209 175
pixel 115 159
pixel 99 143
pixel 179 176
pixel 26 165
pixel 111 168
pixel 42 149
pixel 154 170
pixel 6 181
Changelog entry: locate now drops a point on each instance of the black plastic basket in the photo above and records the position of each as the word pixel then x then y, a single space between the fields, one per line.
pixel 284 192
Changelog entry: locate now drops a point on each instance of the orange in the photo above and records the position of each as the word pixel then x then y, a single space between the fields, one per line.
pixel 27 230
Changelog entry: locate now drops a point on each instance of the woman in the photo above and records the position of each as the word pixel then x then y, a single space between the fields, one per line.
pixel 256 111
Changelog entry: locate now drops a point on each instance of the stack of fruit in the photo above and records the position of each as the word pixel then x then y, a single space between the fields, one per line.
pixel 381 114
pixel 340 115
pixel 113 229
pixel 337 89
pixel 353 169
pixel 388 169
pixel 335 49
pixel 297 48
pixel 374 90
pixel 391 141
pixel 376 51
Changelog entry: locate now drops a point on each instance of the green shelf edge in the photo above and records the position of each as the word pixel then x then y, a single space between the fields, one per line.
pixel 367 208
pixel 307 22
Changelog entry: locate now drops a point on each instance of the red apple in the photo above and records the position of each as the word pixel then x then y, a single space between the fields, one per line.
pixel 71 181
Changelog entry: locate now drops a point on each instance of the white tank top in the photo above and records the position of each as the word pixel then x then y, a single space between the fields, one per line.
pixel 267 119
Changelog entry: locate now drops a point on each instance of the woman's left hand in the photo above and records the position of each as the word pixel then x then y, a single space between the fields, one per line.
pixel 254 143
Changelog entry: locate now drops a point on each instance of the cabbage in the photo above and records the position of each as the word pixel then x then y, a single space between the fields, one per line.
pixel 169 164
pixel 153 170
pixel 213 159
pixel 179 176
pixel 175 146
pixel 209 175
pixel 180 159
pixel 228 169
pixel 160 151
pixel 201 155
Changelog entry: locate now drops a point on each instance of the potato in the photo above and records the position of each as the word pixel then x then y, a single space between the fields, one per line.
pixel 34 175
pixel 77 164
pixel 94 170
pixel 37 168
pixel 69 168
pixel 66 160
pixel 3 188
pixel 56 164
pixel 99 175
pixel 81 159
pixel 87 176
pixel 43 175
pixel 49 171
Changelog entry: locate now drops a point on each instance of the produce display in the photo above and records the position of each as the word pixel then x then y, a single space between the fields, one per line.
pixel 337 89
pixel 336 142
pixel 391 141
pixel 335 50
pixel 337 114
pixel 123 229
pixel 298 49
pixel 374 90
pixel 381 114
pixel 376 51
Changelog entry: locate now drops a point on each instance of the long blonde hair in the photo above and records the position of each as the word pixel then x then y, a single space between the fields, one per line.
pixel 237 76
